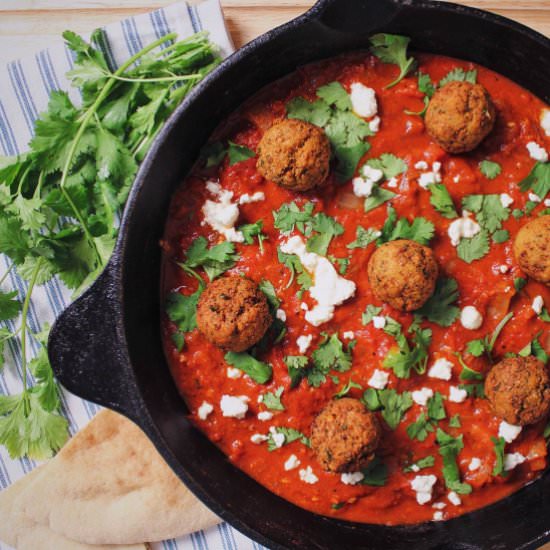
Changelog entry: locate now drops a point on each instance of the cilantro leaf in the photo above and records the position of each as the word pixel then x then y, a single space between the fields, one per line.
pixel 215 261
pixel 394 405
pixel 182 310
pixel 272 400
pixel 425 84
pixel 375 474
pixel 489 210
pixel 449 447
pixel 391 165
pixel 213 153
pixel 251 230
pixel 331 355
pixel 426 462
pixel 364 237
pixel 473 248
pixel 238 153
pixel 348 159
pixel 378 196
pixel 420 428
pixel 442 201
pixel 292 261
pixel 501 236
pixel 369 313
pixel 392 48
pixel 335 94
pixel 296 365
pixel 534 348
pixel 435 407
pixel 420 230
pixel 347 388
pixel 538 180
pixel 519 283
pixel 9 305
pixel 498 447
pixel 290 216
pixel 490 169
pixel 290 434
pixel 454 421
pixel 317 113
pixel 460 75
pixel 327 228
pixel 257 370
pixel 439 308
pixel 270 293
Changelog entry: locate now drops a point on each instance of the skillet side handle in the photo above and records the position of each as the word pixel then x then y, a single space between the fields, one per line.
pixel 87 348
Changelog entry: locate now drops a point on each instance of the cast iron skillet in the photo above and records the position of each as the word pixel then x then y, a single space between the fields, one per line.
pixel 106 347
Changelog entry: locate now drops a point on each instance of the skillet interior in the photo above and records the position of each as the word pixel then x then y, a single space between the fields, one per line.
pixel 107 348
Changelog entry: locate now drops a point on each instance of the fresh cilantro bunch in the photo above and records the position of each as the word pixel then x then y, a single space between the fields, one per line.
pixel 60 201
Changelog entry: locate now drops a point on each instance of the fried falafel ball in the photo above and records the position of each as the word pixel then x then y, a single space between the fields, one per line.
pixel 233 313
pixel 460 116
pixel 344 436
pixel 294 154
pixel 532 249
pixel 403 273
pixel 518 390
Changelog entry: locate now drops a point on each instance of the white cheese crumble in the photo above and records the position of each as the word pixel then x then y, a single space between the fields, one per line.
pixel 462 228
pixel 506 200
pixel 349 334
pixel 547 202
pixel 233 373
pixel 264 416
pixel 536 152
pixel 534 198
pixel 277 437
pixel 511 460
pixel 456 395
pixel 329 289
pixel 362 187
pixel 428 178
pixel 303 342
pixel 423 486
pixel 508 431
pixel 255 197
pixel 470 318
pixel 441 369
pixel 454 498
pixel 503 269
pixel 307 476
pixel 370 173
pixel 379 321
pixel 438 516
pixel 537 304
pixel 392 183
pixel 223 214
pixel 421 396
pixel 415 468
pixel 258 438
pixel 352 478
pixel 204 410
pixel 292 462
pixel 374 124
pixel 281 315
pixel 545 121
pixel 234 406
pixel 439 505
pixel 363 100
pixel 475 464
pixel 421 165
pixel 379 379
pixel 304 307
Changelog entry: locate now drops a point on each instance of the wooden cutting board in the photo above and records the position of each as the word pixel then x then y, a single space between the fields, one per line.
pixel 28 25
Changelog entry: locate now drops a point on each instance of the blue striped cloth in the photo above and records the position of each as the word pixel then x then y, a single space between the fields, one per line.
pixel 25 86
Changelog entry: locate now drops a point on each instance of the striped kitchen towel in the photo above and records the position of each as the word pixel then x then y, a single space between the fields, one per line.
pixel 25 86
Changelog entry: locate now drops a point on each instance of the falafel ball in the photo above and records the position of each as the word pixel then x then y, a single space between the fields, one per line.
pixel 532 249
pixel 344 435
pixel 233 313
pixel 518 390
pixel 403 273
pixel 294 154
pixel 460 116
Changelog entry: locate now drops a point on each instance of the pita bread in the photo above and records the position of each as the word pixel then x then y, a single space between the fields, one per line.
pixel 22 533
pixel 109 485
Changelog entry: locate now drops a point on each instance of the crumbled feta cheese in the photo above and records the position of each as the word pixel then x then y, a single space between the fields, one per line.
pixel 456 395
pixel 370 173
pixel 362 187
pixel 423 486
pixel 439 505
pixel 547 202
pixel 392 183
pixel 374 124
pixel 534 198
pixel 475 464
pixel 421 165
pixel 454 498
pixel 329 289
pixel 223 214
pixel 277 437
pixel 303 342
pixel 416 468
pixel 233 373
pixel 511 460
pixel 506 200
pixel 307 476
pixel 352 478
pixel 536 152
pixel 537 304
pixel 438 516
pixel 234 406
pixel 264 416
pixel 508 431
pixel 303 306
pixel 462 228
pixel 363 100
pixel 545 121
pixel 258 438
pixel 503 269
pixel 428 178
pixel 379 321
pixel 281 315
pixel 292 462
pixel 441 369
pixel 204 410
pixel 349 334
pixel 379 379
pixel 471 318
pixel 255 197
pixel 421 396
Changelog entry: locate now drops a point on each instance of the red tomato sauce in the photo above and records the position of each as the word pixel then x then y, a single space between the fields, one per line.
pixel 200 370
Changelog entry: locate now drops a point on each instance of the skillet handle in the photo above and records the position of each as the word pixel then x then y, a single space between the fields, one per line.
pixel 87 348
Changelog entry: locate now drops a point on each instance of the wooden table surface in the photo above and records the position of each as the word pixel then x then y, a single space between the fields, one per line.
pixel 26 25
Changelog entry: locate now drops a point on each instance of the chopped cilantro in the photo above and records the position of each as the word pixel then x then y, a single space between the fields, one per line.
pixel 327 228
pixel 348 159
pixel 390 165
pixel 214 261
pixel 470 374
pixel 426 462
pixel 473 248
pixel 488 209
pixel 290 435
pixel 252 230
pixel 501 236
pixel 439 308
pixel 295 266
pixel 238 153
pixel 270 293
pixel 404 358
pixel 490 169
pixel 486 345
pixel 290 216
pixel 460 75
pixel 538 181
pixel 392 48
pixel 420 230
pixel 375 474
pixel 454 421
pixel 473 390
pixel 257 370
pixel 436 409
pixel 182 310
pixel 371 399
pixel 394 406
pixel 272 400
pixel 9 305
pixel 296 365
pixel 364 237
pixel 420 428
pixel 442 201
pixel 347 388
pixel 378 196
pixel 343 264
pixel 369 313
pixel 449 447
pixel 178 338
pixel 335 95
pixel 535 349
pixel 317 113
pixel 499 444
pixel 329 355
pixel 425 84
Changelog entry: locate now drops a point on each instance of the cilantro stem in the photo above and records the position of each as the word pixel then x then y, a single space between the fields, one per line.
pixel 4 277
pixel 157 79
pixel 498 330
pixel 191 272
